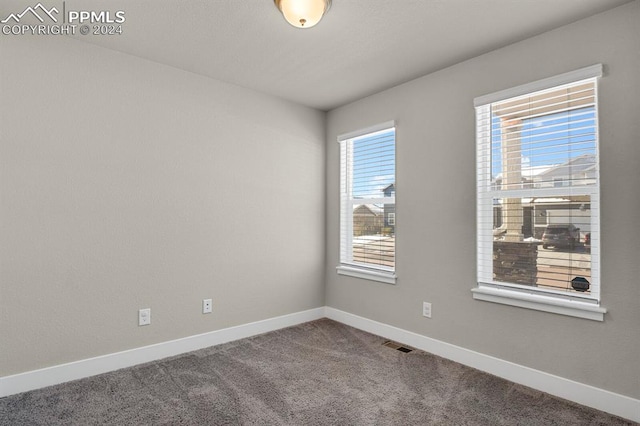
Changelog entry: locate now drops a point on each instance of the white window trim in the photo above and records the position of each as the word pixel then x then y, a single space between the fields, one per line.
pixel 356 270
pixel 366 130
pixel 541 301
pixel 546 83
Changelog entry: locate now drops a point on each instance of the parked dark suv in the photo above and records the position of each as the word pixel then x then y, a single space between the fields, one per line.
pixel 565 235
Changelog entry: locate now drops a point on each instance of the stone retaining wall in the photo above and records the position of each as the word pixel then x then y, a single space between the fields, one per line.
pixel 515 262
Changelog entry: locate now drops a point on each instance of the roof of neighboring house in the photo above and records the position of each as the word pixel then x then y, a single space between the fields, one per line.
pixel 368 209
pixel 529 172
pixel 581 164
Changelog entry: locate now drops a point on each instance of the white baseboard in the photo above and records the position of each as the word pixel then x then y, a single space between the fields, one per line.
pixel 580 393
pixel 35 379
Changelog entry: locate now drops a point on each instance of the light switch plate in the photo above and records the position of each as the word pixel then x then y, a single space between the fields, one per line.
pixel 426 309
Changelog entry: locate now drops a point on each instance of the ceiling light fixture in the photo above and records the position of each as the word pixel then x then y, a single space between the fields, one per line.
pixel 303 13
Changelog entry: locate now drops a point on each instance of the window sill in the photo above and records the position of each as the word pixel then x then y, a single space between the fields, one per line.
pixel 538 302
pixel 383 277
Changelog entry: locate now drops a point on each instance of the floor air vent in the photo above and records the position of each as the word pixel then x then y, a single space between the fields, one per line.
pixel 396 346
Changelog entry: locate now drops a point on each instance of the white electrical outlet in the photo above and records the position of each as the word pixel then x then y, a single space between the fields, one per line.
pixel 144 316
pixel 426 309
pixel 206 306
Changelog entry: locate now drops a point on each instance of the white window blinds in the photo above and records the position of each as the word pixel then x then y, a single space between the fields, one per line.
pixel 538 187
pixel 367 198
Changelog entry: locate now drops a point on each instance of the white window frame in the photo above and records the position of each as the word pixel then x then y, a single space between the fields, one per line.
pixel 347 266
pixel 513 294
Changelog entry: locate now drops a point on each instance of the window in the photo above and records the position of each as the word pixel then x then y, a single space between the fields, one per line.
pixel 538 196
pixel 391 219
pixel 558 182
pixel 367 203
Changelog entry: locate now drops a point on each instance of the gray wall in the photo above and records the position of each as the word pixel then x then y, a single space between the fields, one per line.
pixel 125 184
pixel 436 224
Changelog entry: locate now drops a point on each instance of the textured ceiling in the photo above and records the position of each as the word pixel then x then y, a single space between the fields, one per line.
pixel 359 48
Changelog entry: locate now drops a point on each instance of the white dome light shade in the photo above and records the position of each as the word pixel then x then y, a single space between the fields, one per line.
pixel 303 13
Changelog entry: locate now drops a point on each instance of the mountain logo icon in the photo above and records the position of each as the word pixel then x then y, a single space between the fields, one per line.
pixel 38 11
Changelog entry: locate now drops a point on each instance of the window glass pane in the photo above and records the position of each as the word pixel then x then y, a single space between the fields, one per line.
pixel 374 165
pixel 553 247
pixel 542 150
pixel 373 235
